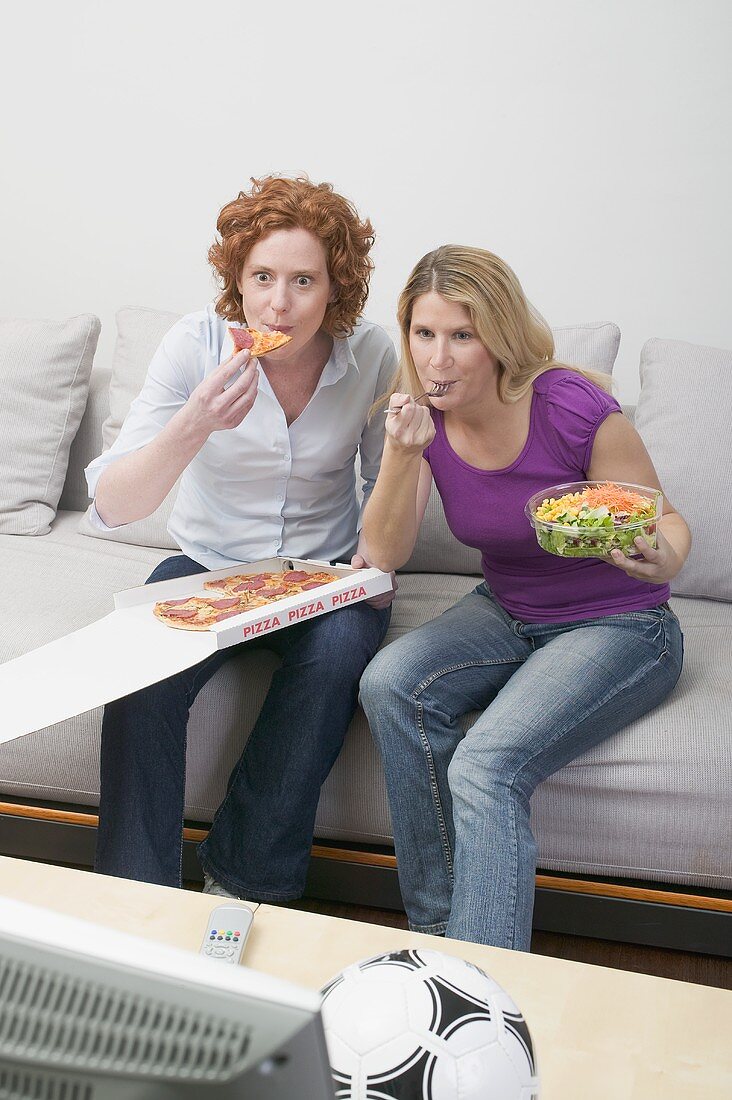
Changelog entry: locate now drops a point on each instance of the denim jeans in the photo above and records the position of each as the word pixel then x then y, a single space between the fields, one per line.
pixel 460 801
pixel 259 843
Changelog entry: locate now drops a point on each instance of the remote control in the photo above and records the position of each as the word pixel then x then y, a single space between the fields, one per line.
pixel 228 928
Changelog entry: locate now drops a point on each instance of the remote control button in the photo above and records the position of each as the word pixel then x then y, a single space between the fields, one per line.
pixel 213 931
pixel 219 937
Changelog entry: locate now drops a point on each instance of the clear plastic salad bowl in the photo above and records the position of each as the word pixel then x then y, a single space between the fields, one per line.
pixel 614 514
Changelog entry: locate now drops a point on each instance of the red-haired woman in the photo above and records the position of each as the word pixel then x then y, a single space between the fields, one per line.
pixel 266 451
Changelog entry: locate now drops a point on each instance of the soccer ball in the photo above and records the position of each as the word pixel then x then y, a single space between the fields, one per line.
pixel 422 1025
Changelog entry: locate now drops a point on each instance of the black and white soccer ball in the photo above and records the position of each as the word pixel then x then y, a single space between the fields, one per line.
pixel 422 1025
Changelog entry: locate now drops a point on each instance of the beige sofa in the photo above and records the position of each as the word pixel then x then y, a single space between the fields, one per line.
pixel 634 836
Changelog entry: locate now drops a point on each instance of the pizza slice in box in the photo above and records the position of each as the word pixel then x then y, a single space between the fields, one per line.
pixel 198 613
pixel 271 585
pixel 258 343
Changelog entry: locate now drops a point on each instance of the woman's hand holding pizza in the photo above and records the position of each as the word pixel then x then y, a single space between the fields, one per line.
pixel 223 399
pixel 409 426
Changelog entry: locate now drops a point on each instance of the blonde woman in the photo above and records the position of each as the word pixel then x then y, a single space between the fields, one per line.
pixel 556 653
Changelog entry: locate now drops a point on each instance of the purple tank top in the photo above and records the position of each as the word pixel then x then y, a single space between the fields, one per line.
pixel 485 509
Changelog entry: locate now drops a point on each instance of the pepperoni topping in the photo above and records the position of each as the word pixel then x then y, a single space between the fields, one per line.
pixel 313 584
pixel 242 338
pixel 274 591
pixel 228 614
pixel 221 604
pixel 296 575
pixel 250 585
pixel 176 603
pixel 181 613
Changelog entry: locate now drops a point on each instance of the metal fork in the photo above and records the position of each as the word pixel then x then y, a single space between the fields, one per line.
pixel 439 389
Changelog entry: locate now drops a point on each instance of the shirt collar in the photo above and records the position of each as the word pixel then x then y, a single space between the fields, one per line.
pixel 340 362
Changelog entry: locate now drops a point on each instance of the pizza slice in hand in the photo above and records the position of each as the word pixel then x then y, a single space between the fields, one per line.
pixel 258 343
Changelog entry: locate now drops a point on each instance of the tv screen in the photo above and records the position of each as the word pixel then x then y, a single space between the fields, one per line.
pixel 88 1013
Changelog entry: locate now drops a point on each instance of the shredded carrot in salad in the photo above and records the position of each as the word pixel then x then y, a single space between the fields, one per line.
pixel 619 502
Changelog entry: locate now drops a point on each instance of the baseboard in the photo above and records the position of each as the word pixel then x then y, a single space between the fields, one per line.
pixel 646 914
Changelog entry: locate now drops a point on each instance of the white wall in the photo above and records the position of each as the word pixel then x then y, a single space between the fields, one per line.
pixel 586 142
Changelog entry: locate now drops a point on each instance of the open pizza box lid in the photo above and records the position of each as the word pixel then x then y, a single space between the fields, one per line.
pixel 130 648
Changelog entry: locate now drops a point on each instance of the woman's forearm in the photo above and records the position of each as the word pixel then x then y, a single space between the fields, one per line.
pixel 390 518
pixel 134 486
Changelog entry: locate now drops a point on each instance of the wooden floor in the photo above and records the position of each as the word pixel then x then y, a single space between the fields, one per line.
pixel 702 969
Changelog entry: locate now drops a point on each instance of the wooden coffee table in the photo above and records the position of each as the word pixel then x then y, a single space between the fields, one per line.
pixel 600 1033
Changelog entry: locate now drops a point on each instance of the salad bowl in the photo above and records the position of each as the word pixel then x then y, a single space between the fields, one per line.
pixel 589 519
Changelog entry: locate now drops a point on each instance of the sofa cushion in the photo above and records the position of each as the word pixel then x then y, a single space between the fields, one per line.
pixel 653 800
pixel 44 368
pixel 593 345
pixel 55 585
pixel 626 808
pixel 683 419
pixel 87 441
pixel 139 333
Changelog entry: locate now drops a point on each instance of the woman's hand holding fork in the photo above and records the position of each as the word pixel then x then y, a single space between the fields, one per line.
pixel 409 426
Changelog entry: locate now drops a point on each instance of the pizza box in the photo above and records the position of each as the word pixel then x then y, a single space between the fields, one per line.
pixel 130 648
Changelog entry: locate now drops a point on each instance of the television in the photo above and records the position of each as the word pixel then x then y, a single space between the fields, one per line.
pixel 88 1013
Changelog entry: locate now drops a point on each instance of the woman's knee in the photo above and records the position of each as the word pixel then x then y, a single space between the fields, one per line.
pixel 483 776
pixel 376 680
pixel 390 673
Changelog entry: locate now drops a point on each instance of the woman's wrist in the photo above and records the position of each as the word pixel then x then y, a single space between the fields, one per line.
pixel 187 431
pixel 677 537
pixel 401 452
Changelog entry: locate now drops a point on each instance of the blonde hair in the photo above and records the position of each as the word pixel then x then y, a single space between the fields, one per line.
pixel 505 322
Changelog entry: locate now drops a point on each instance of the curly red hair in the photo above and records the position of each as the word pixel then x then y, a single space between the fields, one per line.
pixel 275 202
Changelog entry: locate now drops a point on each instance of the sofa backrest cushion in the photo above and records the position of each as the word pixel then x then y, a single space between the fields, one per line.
pixel 44 370
pixel 593 345
pixel 683 418
pixel 87 441
pixel 139 333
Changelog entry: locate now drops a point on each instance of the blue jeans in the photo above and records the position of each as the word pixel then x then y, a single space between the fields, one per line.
pixel 259 843
pixel 460 801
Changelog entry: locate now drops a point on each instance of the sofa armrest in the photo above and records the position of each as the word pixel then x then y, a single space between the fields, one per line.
pixel 87 443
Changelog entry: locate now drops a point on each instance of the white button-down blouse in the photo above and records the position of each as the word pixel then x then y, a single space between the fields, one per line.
pixel 265 488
